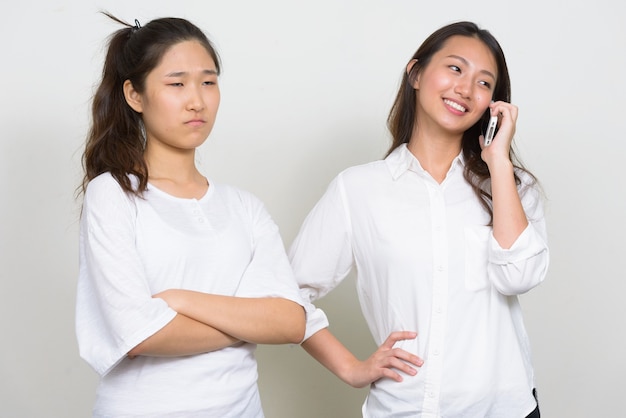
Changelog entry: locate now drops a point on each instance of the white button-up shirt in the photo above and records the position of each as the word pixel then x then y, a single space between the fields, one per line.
pixel 427 261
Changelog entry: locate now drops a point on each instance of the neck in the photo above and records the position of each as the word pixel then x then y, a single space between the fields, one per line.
pixel 435 152
pixel 175 172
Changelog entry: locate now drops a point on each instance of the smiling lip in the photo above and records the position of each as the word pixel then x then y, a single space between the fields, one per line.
pixel 455 106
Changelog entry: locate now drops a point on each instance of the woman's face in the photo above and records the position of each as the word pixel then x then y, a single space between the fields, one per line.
pixel 456 87
pixel 181 97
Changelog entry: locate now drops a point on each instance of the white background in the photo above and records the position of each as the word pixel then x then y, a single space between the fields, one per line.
pixel 306 88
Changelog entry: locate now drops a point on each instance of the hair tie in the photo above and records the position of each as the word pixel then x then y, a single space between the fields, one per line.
pixel 135 28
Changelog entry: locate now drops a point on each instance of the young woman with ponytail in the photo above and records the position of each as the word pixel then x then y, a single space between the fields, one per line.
pixel 180 277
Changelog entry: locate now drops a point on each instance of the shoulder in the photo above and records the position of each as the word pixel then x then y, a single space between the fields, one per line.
pixel 235 197
pixel 362 173
pixel 227 191
pixel 105 183
pixel 354 182
pixel 104 190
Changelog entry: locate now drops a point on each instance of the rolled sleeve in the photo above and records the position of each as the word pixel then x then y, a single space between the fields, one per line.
pixel 321 254
pixel 522 267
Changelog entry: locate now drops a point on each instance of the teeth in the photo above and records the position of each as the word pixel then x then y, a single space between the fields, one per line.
pixel 455 105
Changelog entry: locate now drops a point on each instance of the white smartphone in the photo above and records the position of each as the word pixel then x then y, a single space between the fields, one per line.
pixel 491 130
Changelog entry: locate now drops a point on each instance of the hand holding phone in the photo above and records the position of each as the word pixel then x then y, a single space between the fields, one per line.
pixel 491 130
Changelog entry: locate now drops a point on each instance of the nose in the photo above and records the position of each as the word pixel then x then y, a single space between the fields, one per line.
pixel 463 87
pixel 195 101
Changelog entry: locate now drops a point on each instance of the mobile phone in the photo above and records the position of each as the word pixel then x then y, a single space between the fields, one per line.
pixel 491 130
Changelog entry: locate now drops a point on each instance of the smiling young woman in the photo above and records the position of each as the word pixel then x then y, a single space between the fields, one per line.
pixel 445 233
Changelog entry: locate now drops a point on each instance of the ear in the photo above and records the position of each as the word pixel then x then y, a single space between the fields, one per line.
pixel 415 81
pixel 132 96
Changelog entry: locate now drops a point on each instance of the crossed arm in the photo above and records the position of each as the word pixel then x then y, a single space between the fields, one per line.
pixel 207 322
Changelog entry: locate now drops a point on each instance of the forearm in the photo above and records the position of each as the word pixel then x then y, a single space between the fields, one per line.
pixel 255 320
pixel 183 336
pixel 509 218
pixel 331 353
pixel 385 362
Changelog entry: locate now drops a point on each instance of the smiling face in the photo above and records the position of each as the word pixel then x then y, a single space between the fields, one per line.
pixel 456 86
pixel 180 99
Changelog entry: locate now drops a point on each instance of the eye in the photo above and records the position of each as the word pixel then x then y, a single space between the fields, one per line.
pixel 209 83
pixel 175 84
pixel 454 68
pixel 485 83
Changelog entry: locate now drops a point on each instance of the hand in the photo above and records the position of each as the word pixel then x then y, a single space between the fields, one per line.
pixel 173 297
pixel 499 148
pixel 385 362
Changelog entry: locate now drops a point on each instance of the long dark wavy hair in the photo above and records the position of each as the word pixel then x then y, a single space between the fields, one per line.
pixel 402 116
pixel 115 142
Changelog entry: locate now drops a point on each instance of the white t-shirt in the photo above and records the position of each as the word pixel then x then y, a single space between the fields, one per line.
pixel 426 261
pixel 131 248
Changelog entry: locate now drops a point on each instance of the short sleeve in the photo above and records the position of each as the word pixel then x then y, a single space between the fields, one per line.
pixel 115 310
pixel 269 273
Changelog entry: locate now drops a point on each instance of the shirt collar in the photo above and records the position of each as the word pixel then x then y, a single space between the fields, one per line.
pixel 402 160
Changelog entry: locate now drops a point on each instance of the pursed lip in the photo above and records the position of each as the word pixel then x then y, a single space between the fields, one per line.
pixel 195 122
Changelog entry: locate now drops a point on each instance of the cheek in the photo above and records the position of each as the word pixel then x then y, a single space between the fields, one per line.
pixel 440 82
pixel 484 100
pixel 213 100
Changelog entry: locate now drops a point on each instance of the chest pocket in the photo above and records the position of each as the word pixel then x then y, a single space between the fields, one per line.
pixel 476 245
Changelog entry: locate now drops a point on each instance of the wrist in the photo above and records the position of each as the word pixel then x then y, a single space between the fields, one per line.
pixel 499 165
pixel 350 373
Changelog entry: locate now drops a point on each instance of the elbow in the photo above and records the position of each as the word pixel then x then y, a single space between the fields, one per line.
pixel 296 325
pixel 520 283
pixel 514 289
pixel 285 325
pixel 296 335
pixel 135 351
pixel 512 279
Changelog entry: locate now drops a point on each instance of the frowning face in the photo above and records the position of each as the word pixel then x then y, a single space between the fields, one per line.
pixel 180 100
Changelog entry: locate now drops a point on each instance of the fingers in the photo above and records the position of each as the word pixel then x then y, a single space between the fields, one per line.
pixel 390 363
pixel 407 357
pixel 501 107
pixel 399 353
pixel 391 360
pixel 386 362
pixel 507 112
pixel 500 146
pixel 398 336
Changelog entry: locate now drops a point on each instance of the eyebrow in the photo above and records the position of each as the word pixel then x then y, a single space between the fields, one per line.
pixel 183 73
pixel 489 73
